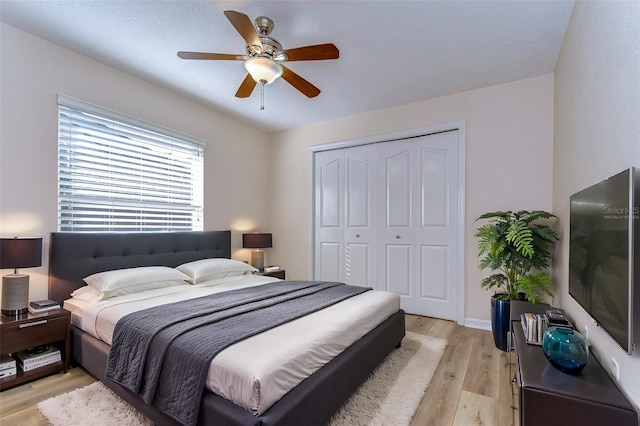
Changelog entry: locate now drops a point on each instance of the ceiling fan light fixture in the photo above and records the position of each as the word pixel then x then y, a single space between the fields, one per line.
pixel 263 70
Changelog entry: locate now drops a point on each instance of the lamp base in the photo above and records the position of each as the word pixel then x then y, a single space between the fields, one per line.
pixel 15 294
pixel 257 259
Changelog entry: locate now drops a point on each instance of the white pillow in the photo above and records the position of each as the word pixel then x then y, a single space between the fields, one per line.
pixel 87 297
pixel 139 287
pixel 211 269
pixel 87 289
pixel 132 280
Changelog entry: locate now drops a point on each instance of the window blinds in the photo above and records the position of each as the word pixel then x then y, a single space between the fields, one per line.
pixel 116 173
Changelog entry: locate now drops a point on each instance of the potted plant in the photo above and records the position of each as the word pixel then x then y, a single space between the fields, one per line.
pixel 517 247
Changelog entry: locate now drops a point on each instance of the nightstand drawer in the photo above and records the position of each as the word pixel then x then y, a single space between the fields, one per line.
pixel 16 337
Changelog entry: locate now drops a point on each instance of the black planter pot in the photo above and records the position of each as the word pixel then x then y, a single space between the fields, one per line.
pixel 500 314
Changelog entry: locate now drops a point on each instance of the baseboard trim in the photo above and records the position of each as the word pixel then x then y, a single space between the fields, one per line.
pixel 477 323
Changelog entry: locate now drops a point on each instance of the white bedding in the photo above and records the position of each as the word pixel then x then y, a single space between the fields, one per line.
pixel 257 372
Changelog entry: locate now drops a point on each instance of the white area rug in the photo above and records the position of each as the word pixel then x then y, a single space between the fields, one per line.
pixel 93 405
pixel 394 390
pixel 389 397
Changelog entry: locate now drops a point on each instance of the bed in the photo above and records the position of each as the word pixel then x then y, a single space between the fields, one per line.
pixel 74 256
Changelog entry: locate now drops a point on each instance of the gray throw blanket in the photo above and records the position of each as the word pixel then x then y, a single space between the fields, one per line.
pixel 163 353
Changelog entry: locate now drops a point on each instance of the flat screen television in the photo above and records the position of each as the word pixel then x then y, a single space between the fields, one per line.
pixel 604 252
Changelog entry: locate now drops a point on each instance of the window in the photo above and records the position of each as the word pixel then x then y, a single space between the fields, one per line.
pixel 116 173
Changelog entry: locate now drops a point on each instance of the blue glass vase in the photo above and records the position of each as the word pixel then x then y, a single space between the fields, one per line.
pixel 566 349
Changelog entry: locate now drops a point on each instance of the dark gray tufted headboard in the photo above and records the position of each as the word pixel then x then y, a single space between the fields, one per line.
pixel 75 256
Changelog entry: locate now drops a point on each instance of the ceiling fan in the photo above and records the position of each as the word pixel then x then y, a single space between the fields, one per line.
pixel 264 56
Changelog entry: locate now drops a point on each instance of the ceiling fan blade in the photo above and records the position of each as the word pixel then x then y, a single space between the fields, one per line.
pixel 246 87
pixel 300 83
pixel 317 52
pixel 211 56
pixel 243 25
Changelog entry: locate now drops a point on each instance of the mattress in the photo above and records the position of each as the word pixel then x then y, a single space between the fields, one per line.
pixel 257 372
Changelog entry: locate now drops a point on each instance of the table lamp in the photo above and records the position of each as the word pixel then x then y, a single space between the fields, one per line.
pixel 257 242
pixel 18 253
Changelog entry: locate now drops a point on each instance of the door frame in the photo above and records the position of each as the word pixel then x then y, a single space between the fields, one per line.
pixel 460 126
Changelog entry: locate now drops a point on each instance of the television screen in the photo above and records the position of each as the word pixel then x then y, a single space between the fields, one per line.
pixel 599 253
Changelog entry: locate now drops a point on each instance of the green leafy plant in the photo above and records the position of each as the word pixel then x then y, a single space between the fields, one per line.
pixel 517 247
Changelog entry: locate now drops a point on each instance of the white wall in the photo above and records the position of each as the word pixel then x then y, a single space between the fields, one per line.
pixel 34 71
pixel 597 134
pixel 509 136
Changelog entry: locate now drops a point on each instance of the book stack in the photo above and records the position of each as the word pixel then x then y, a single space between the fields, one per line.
pixel 41 306
pixel 272 268
pixel 38 357
pixel 534 326
pixel 556 318
pixel 7 366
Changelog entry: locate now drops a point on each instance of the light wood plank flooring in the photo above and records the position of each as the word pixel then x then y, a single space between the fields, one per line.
pixel 470 387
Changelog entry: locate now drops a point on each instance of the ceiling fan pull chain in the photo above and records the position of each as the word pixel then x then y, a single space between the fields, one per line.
pixel 261 96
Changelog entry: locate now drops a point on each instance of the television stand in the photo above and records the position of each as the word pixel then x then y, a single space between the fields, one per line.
pixel 547 396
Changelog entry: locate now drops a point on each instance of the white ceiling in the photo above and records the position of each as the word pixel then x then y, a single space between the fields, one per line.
pixel 391 52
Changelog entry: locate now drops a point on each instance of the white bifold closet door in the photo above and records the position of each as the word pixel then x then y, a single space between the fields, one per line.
pixel 417 231
pixel 346 216
pixel 387 217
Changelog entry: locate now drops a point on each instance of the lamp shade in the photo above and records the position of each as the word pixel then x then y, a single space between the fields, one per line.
pixel 20 253
pixel 263 70
pixel 256 240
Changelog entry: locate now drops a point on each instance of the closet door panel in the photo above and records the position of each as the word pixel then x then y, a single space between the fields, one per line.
pixel 358 264
pixel 436 233
pixel 433 188
pixel 329 264
pixel 361 216
pixel 358 197
pixel 329 267
pixel 330 194
pixel 433 272
pixel 396 177
pixel 397 184
pixel 398 269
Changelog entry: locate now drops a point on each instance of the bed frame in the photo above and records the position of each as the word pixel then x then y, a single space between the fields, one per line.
pixel 74 256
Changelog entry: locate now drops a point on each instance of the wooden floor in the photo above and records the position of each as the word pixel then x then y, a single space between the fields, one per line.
pixel 470 387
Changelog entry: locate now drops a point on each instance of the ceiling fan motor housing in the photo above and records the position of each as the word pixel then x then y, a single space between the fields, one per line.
pixel 270 46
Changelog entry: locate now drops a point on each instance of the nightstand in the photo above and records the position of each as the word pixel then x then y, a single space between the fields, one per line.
pixel 30 330
pixel 275 274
